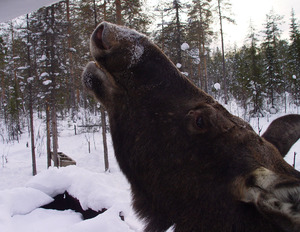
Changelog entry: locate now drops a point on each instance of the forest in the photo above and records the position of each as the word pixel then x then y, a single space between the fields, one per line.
pixel 42 56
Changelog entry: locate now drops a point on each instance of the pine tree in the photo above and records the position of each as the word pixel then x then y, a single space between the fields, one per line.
pixel 159 33
pixel 273 73
pixel 257 82
pixel 199 33
pixel 15 100
pixel 239 63
pixel 224 5
pixel 294 59
pixel 214 69
pixel 2 77
pixel 50 29
pixel 173 32
pixel 134 16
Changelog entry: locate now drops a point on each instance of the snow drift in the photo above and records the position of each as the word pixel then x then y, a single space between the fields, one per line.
pixel 20 207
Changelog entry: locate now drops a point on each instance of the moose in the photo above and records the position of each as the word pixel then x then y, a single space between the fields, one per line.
pixel 191 164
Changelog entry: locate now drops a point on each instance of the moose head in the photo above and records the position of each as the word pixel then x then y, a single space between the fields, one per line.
pixel 191 164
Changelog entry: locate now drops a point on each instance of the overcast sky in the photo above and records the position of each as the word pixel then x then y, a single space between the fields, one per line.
pixel 10 9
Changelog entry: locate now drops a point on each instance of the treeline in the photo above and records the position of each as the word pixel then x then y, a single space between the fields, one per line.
pixel 42 57
pixel 262 75
pixel 43 54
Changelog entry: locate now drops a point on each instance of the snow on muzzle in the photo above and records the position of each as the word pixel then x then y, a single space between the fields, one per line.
pixel 93 77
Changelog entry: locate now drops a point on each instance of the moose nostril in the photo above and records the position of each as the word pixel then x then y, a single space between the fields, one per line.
pixel 99 32
pixel 98 37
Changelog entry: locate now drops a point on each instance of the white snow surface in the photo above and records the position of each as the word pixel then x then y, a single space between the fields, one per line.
pixel 10 9
pixel 22 200
pixel 47 82
pixel 178 65
pixel 21 195
pixel 184 46
pixel 94 190
pixel 217 86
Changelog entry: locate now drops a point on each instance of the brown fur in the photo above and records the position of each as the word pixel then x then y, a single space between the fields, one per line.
pixel 284 132
pixel 190 163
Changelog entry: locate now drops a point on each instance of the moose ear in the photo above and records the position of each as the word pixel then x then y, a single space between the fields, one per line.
pixel 275 196
pixel 283 132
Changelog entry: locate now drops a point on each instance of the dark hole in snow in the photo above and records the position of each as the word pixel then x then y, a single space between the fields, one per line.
pixel 65 201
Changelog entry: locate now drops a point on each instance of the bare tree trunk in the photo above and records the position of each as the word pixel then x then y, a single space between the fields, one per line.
pixel 200 73
pixel 102 111
pixel 95 12
pixel 223 54
pixel 53 95
pixel 104 11
pixel 48 135
pixel 118 12
pixel 54 134
pixel 106 164
pixel 178 38
pixel 72 84
pixel 205 69
pixel 34 172
pixel 32 137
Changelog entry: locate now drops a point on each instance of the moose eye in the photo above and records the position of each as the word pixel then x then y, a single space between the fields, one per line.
pixel 199 122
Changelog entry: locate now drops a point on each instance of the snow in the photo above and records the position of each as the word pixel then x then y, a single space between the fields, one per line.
pixel 44 74
pixel 44 220
pixel 21 195
pixel 273 110
pixel 123 33
pixel 185 73
pixel 22 200
pixel 137 52
pixel 43 58
pixel 84 185
pixel 217 86
pixel 30 79
pixel 47 82
pixel 178 65
pixel 73 50
pixel 184 46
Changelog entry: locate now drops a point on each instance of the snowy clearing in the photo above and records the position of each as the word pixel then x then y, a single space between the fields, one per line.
pixel 21 195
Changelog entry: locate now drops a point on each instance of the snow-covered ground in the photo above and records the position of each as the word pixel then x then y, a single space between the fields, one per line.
pixel 21 195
